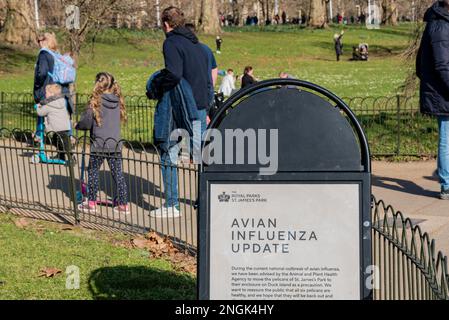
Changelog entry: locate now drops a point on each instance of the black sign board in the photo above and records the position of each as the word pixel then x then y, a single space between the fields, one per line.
pixel 285 193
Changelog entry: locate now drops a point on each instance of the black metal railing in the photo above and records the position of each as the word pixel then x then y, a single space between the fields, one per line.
pixel 16 111
pixel 394 126
pixel 54 191
pixel 406 264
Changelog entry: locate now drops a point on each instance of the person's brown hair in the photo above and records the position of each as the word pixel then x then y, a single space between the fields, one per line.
pixel 174 17
pixel 50 39
pixel 247 69
pixel 105 83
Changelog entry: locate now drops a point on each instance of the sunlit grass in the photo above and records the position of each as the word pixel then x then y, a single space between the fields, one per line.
pixel 132 56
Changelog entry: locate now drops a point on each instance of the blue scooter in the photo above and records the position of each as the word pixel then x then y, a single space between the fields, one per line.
pixel 41 156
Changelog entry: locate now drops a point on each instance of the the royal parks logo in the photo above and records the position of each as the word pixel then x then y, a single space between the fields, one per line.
pixel 240 197
pixel 224 197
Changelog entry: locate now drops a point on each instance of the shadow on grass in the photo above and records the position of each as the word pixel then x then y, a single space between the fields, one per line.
pixel 140 283
pixel 11 58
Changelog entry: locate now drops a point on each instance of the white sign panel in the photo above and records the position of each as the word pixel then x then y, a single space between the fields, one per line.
pixel 284 241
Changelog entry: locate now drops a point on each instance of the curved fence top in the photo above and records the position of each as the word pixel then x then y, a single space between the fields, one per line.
pixel 317 130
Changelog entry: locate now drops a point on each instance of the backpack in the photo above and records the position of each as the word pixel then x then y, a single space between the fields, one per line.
pixel 64 71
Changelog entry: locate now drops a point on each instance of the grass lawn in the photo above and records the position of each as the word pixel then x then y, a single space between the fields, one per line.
pixel 304 53
pixel 107 271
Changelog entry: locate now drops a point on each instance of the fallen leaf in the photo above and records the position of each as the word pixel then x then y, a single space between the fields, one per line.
pixel 153 236
pixel 21 223
pixel 162 248
pixel 141 243
pixel 49 272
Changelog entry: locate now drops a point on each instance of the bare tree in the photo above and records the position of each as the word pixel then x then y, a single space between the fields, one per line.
pixel 209 21
pixel 390 12
pixel 317 14
pixel 20 27
pixel 411 82
pixel 96 15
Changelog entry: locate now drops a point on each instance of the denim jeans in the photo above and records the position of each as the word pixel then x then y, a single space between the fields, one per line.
pixel 170 176
pixel 169 164
pixel 197 137
pixel 443 151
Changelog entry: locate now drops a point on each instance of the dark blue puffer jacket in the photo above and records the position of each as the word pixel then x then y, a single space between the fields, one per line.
pixel 432 64
pixel 44 65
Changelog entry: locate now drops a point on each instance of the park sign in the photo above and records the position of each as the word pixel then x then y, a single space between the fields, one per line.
pixel 286 215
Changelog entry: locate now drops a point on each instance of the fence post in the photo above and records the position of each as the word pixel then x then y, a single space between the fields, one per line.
pixel 72 186
pixel 2 110
pixel 398 114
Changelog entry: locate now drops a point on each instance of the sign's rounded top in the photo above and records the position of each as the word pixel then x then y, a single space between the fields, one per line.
pixel 300 126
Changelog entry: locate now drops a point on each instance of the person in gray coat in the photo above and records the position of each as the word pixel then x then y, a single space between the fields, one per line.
pixel 57 117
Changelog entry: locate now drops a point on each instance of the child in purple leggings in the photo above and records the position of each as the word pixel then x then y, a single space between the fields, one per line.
pixel 103 119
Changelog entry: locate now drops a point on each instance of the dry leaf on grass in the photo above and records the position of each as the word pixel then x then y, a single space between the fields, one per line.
pixel 21 223
pixel 153 236
pixel 49 272
pixel 141 243
pixel 160 247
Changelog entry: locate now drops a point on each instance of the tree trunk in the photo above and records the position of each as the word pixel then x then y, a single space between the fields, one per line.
pixel 210 23
pixel 20 27
pixel 390 12
pixel 317 14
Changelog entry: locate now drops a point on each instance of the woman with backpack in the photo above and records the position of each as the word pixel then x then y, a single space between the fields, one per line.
pixel 45 68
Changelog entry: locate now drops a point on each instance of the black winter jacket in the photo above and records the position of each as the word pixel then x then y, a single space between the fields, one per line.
pixel 44 65
pixel 432 64
pixel 186 59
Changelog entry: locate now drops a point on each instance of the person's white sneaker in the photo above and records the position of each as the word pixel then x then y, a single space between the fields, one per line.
pixel 171 212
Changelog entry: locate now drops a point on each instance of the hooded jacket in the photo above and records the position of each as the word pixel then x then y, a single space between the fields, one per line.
pixel 176 109
pixel 186 59
pixel 432 64
pixel 57 118
pixel 105 139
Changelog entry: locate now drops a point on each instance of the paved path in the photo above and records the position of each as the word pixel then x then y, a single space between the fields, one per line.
pixel 413 189
pixel 42 191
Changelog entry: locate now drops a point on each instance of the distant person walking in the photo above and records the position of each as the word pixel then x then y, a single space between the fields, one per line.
pixel 248 77
pixel 432 67
pixel 218 42
pixel 338 44
pixel 284 17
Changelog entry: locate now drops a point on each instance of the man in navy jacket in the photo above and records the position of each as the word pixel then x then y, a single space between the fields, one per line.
pixel 432 67
pixel 185 58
